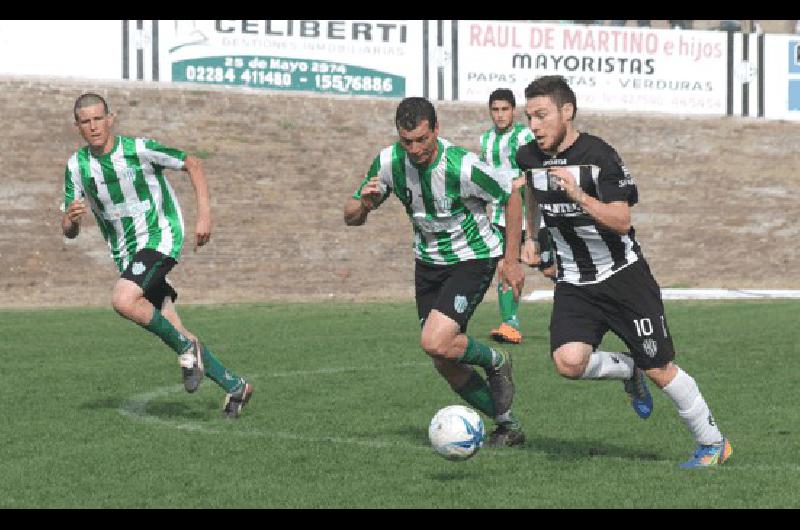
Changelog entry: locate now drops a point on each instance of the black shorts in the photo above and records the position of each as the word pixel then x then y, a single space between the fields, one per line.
pixel 628 303
pixel 148 269
pixel 455 290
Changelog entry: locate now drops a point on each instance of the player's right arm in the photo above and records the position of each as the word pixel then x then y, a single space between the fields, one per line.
pixel 370 194
pixel 357 210
pixel 71 220
pixel 74 207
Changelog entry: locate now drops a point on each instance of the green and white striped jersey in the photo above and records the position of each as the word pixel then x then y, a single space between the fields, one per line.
pixel 445 201
pixel 500 150
pixel 130 197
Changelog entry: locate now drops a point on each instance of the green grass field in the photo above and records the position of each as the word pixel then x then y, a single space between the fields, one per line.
pixel 95 415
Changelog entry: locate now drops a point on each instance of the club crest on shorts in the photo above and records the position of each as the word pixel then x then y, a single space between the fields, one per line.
pixel 138 268
pixel 650 347
pixel 460 303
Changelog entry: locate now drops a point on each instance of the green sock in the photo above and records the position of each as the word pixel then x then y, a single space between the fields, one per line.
pixel 164 329
pixel 476 393
pixel 508 307
pixel 176 340
pixel 479 354
pixel 217 372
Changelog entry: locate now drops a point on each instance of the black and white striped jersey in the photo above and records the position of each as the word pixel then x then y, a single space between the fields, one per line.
pixel 586 252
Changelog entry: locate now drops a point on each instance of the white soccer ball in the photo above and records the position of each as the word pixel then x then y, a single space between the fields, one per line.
pixel 456 432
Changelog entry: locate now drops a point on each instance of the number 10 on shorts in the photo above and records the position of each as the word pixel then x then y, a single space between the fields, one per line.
pixel 644 326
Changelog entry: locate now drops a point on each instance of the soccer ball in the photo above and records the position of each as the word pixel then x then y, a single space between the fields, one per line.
pixel 456 432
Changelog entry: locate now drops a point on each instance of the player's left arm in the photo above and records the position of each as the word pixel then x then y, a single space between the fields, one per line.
pixel 512 271
pixel 502 185
pixel 197 175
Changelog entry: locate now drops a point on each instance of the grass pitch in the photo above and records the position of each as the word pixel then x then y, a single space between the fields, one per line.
pixel 95 415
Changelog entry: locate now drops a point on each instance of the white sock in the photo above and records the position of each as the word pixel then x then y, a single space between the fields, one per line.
pixel 693 409
pixel 608 365
pixel 504 418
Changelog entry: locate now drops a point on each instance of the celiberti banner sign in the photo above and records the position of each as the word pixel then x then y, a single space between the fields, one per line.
pixel 371 58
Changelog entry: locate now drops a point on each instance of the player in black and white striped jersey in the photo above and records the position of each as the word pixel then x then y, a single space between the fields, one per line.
pixel 584 193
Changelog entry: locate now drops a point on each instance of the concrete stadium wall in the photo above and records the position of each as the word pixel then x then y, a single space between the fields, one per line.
pixel 718 196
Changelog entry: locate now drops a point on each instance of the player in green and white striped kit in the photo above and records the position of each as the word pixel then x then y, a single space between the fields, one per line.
pixel 122 180
pixel 445 190
pixel 499 148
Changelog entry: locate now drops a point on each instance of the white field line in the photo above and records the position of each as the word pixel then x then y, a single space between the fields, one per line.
pixel 696 294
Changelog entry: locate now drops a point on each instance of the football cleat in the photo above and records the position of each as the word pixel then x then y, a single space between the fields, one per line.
pixel 191 362
pixel 504 436
pixel 235 402
pixel 501 385
pixel 636 388
pixel 506 333
pixel 710 455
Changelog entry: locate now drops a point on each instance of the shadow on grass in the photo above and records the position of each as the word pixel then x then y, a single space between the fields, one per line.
pixel 461 473
pixel 173 410
pixel 197 410
pixel 554 448
pixel 571 450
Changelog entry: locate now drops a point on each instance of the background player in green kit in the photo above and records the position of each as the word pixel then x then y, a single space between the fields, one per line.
pixel 499 148
pixel 445 190
pixel 122 180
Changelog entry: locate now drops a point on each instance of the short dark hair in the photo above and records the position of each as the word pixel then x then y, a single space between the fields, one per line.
pixel 502 94
pixel 412 111
pixel 87 100
pixel 554 86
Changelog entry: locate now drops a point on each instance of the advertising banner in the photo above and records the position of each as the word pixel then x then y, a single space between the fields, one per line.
pixel 371 58
pixel 635 69
pixel 782 77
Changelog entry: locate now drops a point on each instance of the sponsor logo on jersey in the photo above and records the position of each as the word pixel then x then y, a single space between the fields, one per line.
pixel 138 268
pixel 460 303
pixel 446 224
pixel 650 347
pixel 127 209
pixel 562 209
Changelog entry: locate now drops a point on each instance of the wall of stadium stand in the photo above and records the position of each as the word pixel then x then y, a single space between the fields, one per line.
pixel 718 196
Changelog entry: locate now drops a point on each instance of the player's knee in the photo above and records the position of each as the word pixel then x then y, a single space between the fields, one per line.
pixel 124 301
pixel 567 365
pixel 663 375
pixel 121 302
pixel 434 345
